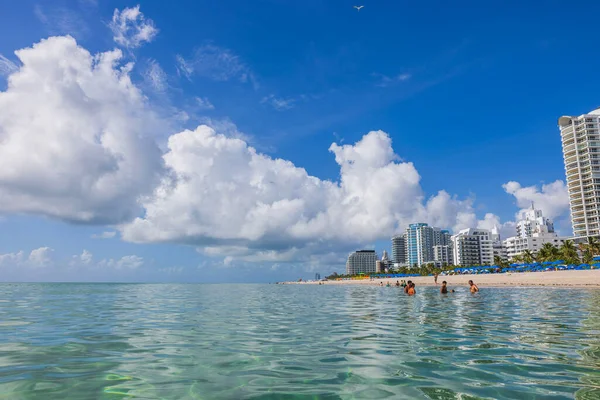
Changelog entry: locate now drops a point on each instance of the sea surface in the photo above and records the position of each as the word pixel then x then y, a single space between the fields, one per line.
pixel 138 341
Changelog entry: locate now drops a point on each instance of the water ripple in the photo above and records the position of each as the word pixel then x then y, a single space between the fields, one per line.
pixel 106 341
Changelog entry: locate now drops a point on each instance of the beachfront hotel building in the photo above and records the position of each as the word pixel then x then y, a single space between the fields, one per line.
pixel 517 245
pixel 419 244
pixel 399 250
pixel 361 262
pixel 581 152
pixel 473 247
pixel 533 231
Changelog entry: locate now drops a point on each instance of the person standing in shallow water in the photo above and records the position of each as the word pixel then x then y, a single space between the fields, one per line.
pixel 411 289
pixel 407 286
pixel 435 278
pixel 474 288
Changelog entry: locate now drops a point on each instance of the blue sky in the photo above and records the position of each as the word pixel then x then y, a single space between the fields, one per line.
pixel 467 92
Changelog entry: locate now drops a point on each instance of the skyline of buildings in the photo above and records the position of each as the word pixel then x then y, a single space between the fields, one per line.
pixel 422 244
pixel 470 246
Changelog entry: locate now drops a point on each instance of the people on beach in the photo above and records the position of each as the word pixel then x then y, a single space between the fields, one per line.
pixel 474 288
pixel 411 289
pixel 407 287
pixel 444 288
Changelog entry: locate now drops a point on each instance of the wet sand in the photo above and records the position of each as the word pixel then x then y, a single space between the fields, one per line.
pixel 590 279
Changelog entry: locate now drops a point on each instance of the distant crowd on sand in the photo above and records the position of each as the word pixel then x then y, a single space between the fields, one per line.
pixel 409 286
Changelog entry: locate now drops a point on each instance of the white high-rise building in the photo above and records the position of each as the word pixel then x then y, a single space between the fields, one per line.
pixel 532 232
pixel 473 247
pixel 581 152
pixel 534 222
pixel 361 262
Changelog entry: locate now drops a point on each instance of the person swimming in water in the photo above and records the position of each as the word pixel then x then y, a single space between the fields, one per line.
pixel 474 288
pixel 444 288
pixel 397 284
pixel 411 289
pixel 407 286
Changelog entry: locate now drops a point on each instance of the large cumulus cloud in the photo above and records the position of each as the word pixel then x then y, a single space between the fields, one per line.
pixel 76 144
pixel 72 136
pixel 231 200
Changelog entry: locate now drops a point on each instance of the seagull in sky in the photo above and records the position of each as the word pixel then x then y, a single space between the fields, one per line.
pixel 358 7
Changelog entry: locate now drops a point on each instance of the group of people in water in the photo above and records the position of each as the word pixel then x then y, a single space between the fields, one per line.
pixel 409 287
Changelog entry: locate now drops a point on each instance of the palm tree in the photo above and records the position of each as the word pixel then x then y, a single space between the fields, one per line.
pixel 548 252
pixel 594 245
pixel 590 249
pixel 568 252
pixel 528 256
pixel 587 255
pixel 499 261
pixel 518 258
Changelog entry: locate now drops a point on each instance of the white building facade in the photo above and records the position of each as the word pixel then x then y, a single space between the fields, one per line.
pixel 517 245
pixel 473 247
pixel 361 262
pixel 533 231
pixel 581 153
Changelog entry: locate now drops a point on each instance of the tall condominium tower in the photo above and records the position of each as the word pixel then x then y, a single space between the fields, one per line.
pixel 399 250
pixel 419 244
pixel 581 152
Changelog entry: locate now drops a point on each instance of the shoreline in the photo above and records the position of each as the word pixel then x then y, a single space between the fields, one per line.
pixel 572 279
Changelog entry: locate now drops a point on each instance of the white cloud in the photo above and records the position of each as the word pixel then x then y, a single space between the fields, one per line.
pixel 279 104
pixel 155 76
pixel 86 259
pixel 104 235
pixel 131 29
pixel 74 134
pixel 232 201
pixel 385 81
pixel 126 262
pixel 552 199
pixel 7 67
pixel 38 258
pixel 183 67
pixel 61 20
pixel 216 63
pixel 204 104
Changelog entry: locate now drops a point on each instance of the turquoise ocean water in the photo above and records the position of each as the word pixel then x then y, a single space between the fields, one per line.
pixel 113 341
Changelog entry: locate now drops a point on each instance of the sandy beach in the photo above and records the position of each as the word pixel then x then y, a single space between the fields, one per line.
pixel 588 279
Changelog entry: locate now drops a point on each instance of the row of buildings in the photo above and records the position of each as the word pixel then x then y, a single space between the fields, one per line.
pixel 422 244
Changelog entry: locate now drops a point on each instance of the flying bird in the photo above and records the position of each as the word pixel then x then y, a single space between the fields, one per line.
pixel 358 7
